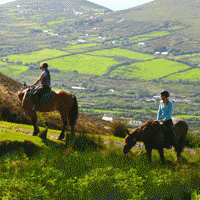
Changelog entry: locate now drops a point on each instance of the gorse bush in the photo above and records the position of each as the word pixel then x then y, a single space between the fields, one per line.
pixel 119 129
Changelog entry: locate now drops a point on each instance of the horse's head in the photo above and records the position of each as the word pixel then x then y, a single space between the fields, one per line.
pixel 22 91
pixel 131 139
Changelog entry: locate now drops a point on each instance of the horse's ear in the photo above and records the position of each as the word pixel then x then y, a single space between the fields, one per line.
pixel 128 133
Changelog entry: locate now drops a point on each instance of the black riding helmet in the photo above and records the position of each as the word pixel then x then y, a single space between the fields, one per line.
pixel 165 93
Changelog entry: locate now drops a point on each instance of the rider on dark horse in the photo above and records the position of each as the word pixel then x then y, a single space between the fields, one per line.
pixel 165 116
pixel 44 87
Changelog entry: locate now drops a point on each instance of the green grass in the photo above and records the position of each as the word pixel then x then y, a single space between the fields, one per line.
pixel 149 70
pixel 56 22
pixel 192 75
pixel 3 63
pixel 36 56
pixel 13 70
pixel 174 28
pixel 186 116
pixel 83 64
pixel 58 172
pixel 122 53
pixel 149 36
pixel 186 56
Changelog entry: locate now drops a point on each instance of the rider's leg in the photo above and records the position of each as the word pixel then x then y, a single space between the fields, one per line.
pixel 35 97
pixel 169 133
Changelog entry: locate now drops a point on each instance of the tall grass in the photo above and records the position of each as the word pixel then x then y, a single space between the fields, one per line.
pixel 99 174
pixel 87 169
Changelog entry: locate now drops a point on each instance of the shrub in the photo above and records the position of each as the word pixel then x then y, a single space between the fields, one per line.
pixel 192 140
pixel 119 129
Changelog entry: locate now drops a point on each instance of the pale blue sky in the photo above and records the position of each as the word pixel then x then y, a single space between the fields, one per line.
pixel 112 4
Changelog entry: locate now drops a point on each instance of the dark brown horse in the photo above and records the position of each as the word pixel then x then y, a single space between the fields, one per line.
pixel 62 101
pixel 152 134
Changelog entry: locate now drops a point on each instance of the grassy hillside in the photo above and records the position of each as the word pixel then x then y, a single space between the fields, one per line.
pixel 44 168
pixel 184 12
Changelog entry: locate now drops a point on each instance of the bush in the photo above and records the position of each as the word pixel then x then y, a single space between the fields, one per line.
pixel 119 129
pixel 192 140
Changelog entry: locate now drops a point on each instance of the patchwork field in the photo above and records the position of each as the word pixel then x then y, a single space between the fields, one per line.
pixel 122 53
pixel 3 63
pixel 35 57
pixel 149 70
pixel 192 75
pixel 152 35
pixel 13 70
pixel 83 64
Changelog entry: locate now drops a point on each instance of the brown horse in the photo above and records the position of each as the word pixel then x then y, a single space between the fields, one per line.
pixel 152 134
pixel 62 101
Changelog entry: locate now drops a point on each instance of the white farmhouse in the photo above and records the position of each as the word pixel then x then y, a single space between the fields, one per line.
pixel 108 117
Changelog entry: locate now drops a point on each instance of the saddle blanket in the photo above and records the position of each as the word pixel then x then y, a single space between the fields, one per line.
pixel 46 97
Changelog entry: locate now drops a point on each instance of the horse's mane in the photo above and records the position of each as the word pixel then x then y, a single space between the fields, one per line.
pixel 146 124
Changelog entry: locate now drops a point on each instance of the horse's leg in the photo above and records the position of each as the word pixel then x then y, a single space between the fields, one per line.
pixel 62 134
pixel 160 150
pixel 149 153
pixel 65 122
pixel 34 120
pixel 73 131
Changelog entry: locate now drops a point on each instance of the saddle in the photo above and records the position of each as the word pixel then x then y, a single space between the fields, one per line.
pixel 39 98
pixel 44 97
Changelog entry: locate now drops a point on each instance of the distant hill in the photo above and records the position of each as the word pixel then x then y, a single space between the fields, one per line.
pixel 166 13
pixel 32 24
pixel 31 7
pixel 11 110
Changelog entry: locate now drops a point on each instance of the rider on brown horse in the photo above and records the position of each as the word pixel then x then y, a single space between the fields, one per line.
pixel 165 116
pixel 44 87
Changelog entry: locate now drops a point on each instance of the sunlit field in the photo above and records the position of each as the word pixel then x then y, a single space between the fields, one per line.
pixel 13 70
pixel 122 53
pixel 149 70
pixel 83 64
pixel 36 56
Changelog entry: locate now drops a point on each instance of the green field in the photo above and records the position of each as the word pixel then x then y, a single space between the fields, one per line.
pixel 13 70
pixel 83 64
pixel 152 35
pixel 122 53
pixel 35 57
pixel 185 56
pixel 149 70
pixel 3 63
pixel 190 75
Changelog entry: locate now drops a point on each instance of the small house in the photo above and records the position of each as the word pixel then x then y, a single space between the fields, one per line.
pixel 109 117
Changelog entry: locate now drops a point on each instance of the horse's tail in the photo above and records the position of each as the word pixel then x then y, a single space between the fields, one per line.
pixel 73 114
